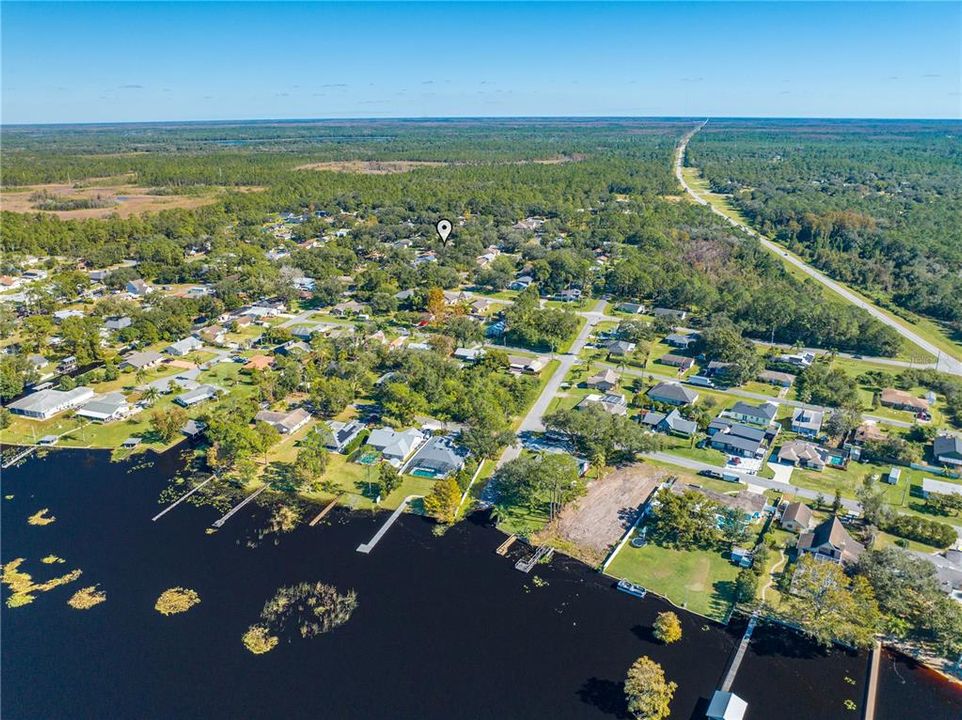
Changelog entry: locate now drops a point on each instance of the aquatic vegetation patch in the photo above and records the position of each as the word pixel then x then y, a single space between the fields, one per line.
pixel 86 598
pixel 258 639
pixel 51 559
pixel 8 497
pixel 41 518
pixel 176 600
pixel 308 609
pixel 24 588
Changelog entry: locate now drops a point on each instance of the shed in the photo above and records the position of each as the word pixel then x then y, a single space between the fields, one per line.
pixel 726 706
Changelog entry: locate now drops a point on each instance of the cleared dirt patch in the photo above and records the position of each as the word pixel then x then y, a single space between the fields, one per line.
pixel 590 526
pixel 110 195
pixel 371 167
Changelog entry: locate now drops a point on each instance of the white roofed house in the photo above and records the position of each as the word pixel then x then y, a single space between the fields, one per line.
pixel 395 447
pixel 609 402
pixel 198 395
pixel 105 408
pixel 807 422
pixel 142 360
pixel 138 287
pixel 338 435
pixel 44 404
pixel 184 347
pixel 285 422
pixel 604 380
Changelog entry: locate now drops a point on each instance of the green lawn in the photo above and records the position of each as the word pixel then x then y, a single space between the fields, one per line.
pixel 701 581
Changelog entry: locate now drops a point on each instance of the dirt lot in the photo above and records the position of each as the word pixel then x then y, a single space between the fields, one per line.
pixel 590 526
pixel 370 167
pixel 117 194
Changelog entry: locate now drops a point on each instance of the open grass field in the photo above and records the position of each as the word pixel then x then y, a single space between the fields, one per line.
pixel 701 581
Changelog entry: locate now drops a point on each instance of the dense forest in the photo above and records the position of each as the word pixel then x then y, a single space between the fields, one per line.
pixel 875 204
pixel 613 221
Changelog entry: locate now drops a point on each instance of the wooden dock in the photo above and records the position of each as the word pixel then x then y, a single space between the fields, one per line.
pixel 871 689
pixel 368 546
pixel 325 511
pixel 23 454
pixel 503 547
pixel 181 499
pixel 241 504
pixel 739 654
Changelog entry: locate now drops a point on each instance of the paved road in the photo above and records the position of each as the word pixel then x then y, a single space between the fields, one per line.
pixel 697 465
pixel 533 420
pixel 945 362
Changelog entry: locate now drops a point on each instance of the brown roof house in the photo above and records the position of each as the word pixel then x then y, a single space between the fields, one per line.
pixel 830 541
pixel 797 518
pixel 604 381
pixel 901 400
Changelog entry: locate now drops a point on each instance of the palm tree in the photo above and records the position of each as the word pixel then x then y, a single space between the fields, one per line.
pixel 150 395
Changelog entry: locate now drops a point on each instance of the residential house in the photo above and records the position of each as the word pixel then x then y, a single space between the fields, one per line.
pixel 681 340
pixel 469 354
pixel 496 329
pixel 292 347
pixel 340 434
pixel 117 322
pixel 604 380
pixel 142 360
pixel 284 422
pixel 138 287
pixel 37 362
pixel 521 364
pixel 258 362
pixel 830 541
pixel 807 422
pixel 214 335
pixel 479 307
pixel 630 308
pixel 395 447
pixel 864 433
pixel 453 297
pixel 802 453
pixel 901 400
pixel 762 415
pixel 192 428
pixel 797 518
pixel 671 393
pixel 947 449
pixel 670 313
pixel 184 347
pixel 620 348
pixel 800 360
pixel 570 295
pixel 350 307
pixel 439 457
pixel 773 377
pixel 60 315
pixel 609 402
pixel 680 362
pixel 105 408
pixel 521 283
pixel 184 380
pixel 737 439
pixel 672 423
pixel 198 395
pixel 44 404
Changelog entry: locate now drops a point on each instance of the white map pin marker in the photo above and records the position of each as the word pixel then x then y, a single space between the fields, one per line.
pixel 444 229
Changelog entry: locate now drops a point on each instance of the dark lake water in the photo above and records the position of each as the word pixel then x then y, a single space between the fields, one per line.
pixel 444 627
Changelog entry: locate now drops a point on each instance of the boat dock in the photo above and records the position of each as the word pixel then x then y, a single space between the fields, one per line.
pixel 325 511
pixel 368 546
pixel 241 504
pixel 525 564
pixel 503 547
pixel 181 499
pixel 739 654
pixel 871 689
pixel 23 454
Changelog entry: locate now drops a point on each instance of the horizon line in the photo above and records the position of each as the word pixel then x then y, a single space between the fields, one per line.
pixel 426 118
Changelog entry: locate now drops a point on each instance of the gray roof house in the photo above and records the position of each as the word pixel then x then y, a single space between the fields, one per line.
pixel 947 449
pixel 394 446
pixel 736 438
pixel 44 404
pixel 604 380
pixel 104 408
pixel 620 347
pixel 142 360
pixel 762 415
pixel 339 435
pixel 672 423
pixel 117 323
pixel 672 393
pixel 439 456
pixel 807 422
pixel 797 517
pixel 681 340
pixel 137 287
pixel 197 395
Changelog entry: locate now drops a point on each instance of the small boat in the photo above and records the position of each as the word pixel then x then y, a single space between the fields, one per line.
pixel 631 588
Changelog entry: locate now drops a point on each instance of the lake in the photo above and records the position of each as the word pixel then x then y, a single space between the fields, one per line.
pixel 444 627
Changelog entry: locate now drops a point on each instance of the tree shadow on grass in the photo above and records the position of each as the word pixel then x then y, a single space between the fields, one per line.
pixel 606 695
pixel 281 476
pixel 723 596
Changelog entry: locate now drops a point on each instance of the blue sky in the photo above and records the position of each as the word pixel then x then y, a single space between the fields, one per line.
pixel 91 62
